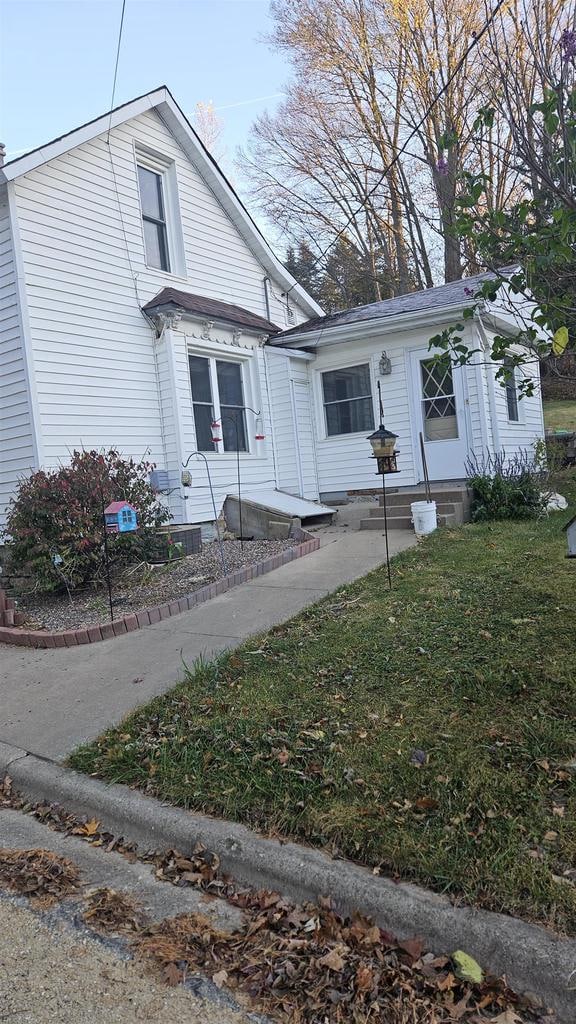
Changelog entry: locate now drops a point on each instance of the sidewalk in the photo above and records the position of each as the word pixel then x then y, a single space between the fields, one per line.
pixel 52 700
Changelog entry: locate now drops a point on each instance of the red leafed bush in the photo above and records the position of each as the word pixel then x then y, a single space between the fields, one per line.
pixel 55 523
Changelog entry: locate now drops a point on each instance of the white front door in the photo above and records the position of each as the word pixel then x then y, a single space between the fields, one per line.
pixel 440 417
pixel 308 479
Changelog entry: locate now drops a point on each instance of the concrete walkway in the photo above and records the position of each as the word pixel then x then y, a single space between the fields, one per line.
pixel 52 700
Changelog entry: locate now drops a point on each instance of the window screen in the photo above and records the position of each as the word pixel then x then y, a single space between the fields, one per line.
pixel 348 400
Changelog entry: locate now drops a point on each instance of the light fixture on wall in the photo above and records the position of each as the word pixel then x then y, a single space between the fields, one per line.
pixel 385 365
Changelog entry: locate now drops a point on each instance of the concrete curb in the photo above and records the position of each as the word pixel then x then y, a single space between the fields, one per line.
pixel 534 960
pixel 136 620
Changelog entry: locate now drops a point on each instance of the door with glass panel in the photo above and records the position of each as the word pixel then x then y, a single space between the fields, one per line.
pixel 440 417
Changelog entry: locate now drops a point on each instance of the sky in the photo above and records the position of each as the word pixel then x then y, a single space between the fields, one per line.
pixel 57 62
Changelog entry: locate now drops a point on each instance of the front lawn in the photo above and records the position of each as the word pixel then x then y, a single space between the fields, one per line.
pixel 560 414
pixel 429 732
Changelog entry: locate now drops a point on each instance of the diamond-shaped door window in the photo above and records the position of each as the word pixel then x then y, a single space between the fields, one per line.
pixel 438 401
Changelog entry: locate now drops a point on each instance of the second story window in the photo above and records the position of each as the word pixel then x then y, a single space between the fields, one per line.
pixel 154 218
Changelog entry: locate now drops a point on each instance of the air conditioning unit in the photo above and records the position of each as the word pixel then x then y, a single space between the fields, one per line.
pixel 159 480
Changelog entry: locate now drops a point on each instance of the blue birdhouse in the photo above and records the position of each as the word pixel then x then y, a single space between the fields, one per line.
pixel 120 517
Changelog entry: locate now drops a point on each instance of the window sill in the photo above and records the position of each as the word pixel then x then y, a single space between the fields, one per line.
pixel 330 438
pixel 181 278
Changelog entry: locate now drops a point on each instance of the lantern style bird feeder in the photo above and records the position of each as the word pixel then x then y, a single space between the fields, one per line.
pixel 384 450
pixel 120 517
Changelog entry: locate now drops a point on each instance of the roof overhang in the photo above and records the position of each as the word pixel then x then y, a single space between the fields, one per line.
pixel 177 123
pixel 173 310
pixel 377 327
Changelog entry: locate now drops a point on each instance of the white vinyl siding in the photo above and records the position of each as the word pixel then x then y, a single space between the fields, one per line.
pixel 86 279
pixel 17 455
pixel 257 466
pixel 344 462
pixel 279 373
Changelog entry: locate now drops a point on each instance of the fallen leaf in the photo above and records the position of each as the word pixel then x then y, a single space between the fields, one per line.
pixel 558 810
pixel 333 961
pixel 172 975
pixel 550 836
pixel 426 803
pixel 364 978
pixel 445 984
pixel 89 829
pixel 413 947
pixel 509 1016
pixel 418 757
pixel 466 968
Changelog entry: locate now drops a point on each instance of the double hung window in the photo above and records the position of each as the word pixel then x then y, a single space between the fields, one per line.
pixel 511 391
pixel 347 396
pixel 218 397
pixel 153 208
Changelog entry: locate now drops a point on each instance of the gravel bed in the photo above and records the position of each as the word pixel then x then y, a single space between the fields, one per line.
pixel 51 976
pixel 143 586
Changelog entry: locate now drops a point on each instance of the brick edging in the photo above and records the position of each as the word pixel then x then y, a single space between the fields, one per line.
pixel 136 620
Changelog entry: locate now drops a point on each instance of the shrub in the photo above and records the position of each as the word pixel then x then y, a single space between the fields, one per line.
pixel 505 487
pixel 55 522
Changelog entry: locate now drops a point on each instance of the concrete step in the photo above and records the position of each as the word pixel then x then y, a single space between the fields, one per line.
pixel 404 522
pixel 407 497
pixel 442 507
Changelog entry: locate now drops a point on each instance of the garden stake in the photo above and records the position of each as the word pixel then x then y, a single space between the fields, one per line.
pixel 107 555
pixel 389 571
pixel 221 546
pixel 234 421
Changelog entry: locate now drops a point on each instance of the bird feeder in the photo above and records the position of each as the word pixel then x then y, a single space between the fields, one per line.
pixel 570 530
pixel 120 517
pixel 259 434
pixel 384 450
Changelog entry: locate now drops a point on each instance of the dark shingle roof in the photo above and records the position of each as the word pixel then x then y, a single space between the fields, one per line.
pixel 212 308
pixel 456 293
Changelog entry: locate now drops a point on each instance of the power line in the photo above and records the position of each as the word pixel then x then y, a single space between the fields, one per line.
pixel 113 97
pixel 475 40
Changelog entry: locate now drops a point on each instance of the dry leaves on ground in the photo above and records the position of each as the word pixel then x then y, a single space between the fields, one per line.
pixel 300 964
pixel 306 964
pixel 39 874
pixel 111 911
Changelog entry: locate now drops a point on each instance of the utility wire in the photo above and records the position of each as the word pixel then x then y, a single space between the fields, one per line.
pixel 113 97
pixel 475 40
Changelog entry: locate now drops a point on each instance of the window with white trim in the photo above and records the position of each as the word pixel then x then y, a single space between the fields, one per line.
pixel 511 391
pixel 218 397
pixel 154 222
pixel 347 397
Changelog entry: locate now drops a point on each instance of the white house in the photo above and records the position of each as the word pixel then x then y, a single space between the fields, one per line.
pixel 140 304
pixel 459 412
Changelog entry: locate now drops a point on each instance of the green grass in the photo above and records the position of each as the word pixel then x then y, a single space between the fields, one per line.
pixel 311 730
pixel 560 414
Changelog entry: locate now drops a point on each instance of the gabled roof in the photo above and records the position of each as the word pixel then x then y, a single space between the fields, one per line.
pixel 117 506
pixel 213 308
pixel 456 294
pixel 163 102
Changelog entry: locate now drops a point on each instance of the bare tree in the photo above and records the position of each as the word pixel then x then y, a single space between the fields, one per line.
pixel 209 127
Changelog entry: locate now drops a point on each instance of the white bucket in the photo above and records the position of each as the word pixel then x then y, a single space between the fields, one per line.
pixel 423 517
